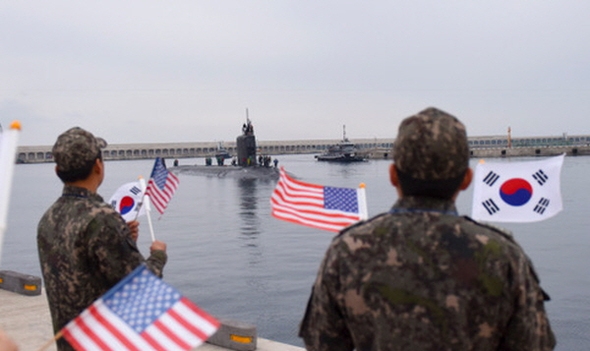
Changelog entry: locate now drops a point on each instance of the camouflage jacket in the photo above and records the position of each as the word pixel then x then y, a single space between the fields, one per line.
pixel 420 277
pixel 85 248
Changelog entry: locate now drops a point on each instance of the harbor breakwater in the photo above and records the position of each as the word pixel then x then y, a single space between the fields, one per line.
pixel 503 152
pixel 488 146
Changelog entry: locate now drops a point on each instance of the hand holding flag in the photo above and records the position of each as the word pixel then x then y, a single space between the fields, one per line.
pixel 323 207
pixel 141 312
pixel 161 186
pixel 517 191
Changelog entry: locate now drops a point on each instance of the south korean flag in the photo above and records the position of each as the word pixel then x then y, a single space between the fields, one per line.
pixel 127 200
pixel 517 191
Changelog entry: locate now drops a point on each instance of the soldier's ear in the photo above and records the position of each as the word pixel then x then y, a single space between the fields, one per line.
pixel 98 167
pixel 393 178
pixel 466 179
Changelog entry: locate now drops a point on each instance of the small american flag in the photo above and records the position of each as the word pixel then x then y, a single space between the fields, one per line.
pixel 318 206
pixel 161 186
pixel 140 313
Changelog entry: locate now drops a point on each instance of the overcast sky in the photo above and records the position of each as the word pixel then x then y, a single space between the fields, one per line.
pixel 166 71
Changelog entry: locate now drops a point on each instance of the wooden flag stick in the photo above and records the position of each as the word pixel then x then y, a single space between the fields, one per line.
pixel 49 342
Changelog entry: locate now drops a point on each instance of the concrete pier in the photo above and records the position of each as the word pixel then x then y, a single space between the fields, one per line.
pixel 27 321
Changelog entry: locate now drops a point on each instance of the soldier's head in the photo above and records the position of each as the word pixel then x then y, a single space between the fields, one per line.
pixel 75 153
pixel 431 155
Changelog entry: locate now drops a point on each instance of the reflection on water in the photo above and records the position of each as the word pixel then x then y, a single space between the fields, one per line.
pixel 250 225
pixel 250 222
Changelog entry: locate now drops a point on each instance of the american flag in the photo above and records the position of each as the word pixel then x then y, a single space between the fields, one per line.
pixel 140 313
pixel 161 186
pixel 318 206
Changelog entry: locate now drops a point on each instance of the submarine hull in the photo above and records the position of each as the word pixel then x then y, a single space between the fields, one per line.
pixel 252 172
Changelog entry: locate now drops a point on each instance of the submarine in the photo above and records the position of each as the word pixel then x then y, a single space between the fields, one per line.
pixel 246 165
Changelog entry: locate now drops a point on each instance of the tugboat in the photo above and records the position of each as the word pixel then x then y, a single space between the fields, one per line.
pixel 222 151
pixel 343 152
pixel 221 154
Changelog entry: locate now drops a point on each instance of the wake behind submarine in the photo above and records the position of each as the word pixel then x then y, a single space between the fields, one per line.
pixel 246 165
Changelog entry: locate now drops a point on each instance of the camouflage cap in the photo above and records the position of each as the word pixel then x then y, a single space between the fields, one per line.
pixel 431 145
pixel 76 147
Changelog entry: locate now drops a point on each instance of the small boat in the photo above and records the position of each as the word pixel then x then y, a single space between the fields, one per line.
pixel 343 152
pixel 222 152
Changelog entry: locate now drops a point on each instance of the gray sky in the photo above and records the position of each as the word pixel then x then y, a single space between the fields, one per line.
pixel 164 71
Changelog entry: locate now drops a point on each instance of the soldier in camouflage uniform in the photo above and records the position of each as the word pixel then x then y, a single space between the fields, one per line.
pixel 85 246
pixel 421 277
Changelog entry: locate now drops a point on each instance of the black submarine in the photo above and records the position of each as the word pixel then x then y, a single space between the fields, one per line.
pixel 245 165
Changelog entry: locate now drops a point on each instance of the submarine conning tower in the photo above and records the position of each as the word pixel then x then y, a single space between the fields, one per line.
pixel 246 145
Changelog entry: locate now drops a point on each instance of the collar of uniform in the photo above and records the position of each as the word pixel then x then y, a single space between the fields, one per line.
pixel 74 191
pixel 424 204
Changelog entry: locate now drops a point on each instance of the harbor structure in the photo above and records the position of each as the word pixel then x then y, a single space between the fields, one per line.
pixel 375 148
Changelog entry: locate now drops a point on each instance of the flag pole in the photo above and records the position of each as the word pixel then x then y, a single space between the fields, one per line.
pixel 149 216
pixel 146 203
pixel 363 212
pixel 8 146
pixel 142 188
pixel 49 342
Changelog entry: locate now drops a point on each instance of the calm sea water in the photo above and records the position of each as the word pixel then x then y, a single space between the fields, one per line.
pixel 227 254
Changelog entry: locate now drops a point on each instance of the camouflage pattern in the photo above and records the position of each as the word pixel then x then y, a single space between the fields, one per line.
pixel 75 147
pixel 431 145
pixel 85 248
pixel 420 277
